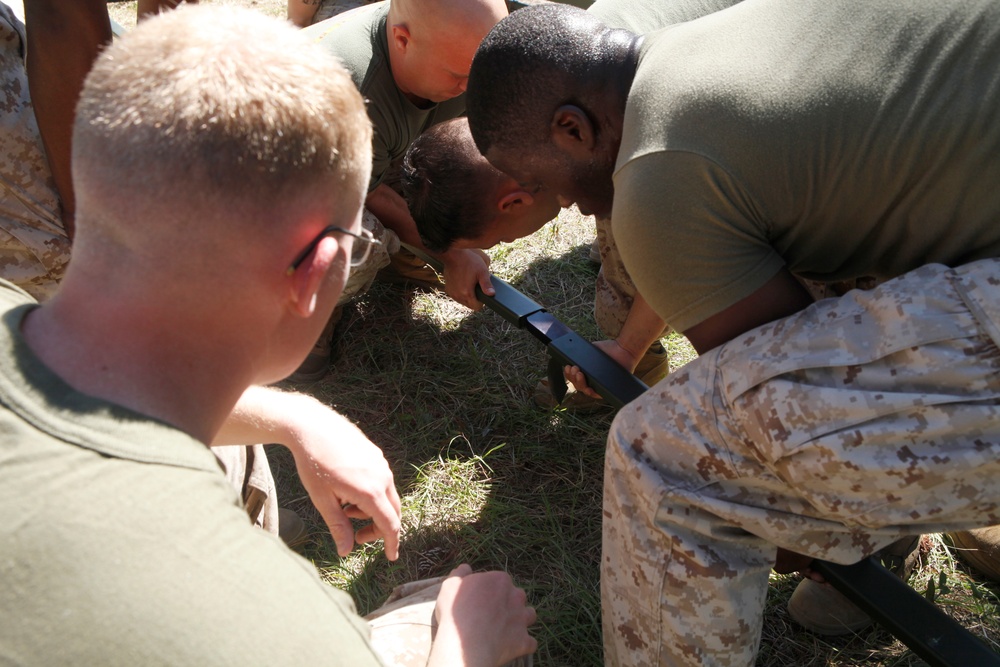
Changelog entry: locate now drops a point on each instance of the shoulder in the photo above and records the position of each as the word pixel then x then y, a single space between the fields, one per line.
pixel 357 39
pixel 690 235
pixel 643 17
pixel 11 295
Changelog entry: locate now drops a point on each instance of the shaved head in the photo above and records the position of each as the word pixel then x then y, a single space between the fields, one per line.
pixel 207 120
pixel 444 16
pixel 432 43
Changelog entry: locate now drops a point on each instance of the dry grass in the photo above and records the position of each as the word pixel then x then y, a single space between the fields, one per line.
pixel 488 479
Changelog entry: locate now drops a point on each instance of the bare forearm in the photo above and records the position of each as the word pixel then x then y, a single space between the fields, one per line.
pixel 344 473
pixel 391 210
pixel 301 12
pixel 64 38
pixel 265 414
pixel 642 327
pixel 781 296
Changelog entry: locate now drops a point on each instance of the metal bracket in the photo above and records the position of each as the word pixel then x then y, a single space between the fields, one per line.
pixel 914 620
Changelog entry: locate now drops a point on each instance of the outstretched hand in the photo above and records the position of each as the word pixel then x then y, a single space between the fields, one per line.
pixel 483 620
pixel 347 478
pixel 343 472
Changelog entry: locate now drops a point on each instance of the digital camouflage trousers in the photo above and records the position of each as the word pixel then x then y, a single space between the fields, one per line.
pixel 830 433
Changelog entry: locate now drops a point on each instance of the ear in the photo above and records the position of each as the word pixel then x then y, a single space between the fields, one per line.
pixel 307 280
pixel 400 36
pixel 509 201
pixel 572 131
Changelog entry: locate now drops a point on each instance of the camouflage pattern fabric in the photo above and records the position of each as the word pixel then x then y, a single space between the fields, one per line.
pixel 830 433
pixel 329 8
pixel 247 469
pixel 402 629
pixel 820 290
pixel 614 289
pixel 361 277
pixel 34 246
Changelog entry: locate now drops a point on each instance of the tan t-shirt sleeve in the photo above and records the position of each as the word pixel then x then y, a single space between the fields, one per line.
pixel 691 238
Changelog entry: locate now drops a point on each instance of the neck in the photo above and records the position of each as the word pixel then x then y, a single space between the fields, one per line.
pixel 157 362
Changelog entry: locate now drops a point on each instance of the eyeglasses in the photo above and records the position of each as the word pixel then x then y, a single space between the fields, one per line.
pixel 359 251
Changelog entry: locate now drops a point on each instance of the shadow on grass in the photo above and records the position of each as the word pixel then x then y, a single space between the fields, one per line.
pixel 485 476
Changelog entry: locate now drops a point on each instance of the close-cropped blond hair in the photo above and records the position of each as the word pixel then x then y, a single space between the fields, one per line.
pixel 214 105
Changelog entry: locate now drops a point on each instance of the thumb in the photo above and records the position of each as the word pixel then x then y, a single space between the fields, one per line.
pixel 461 571
pixel 486 285
pixel 341 528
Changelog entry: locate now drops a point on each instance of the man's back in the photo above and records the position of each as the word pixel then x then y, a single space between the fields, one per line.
pixel 642 16
pixel 839 140
pixel 119 531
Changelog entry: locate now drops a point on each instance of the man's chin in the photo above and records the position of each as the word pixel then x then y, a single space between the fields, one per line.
pixel 598 210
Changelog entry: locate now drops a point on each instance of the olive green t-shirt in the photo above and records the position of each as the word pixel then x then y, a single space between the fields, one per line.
pixel 122 543
pixel 642 16
pixel 358 39
pixel 837 139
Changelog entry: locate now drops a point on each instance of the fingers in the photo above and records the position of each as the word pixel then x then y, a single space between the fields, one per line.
pixel 385 517
pixel 338 523
pixel 483 256
pixel 465 270
pixel 463 293
pixel 575 375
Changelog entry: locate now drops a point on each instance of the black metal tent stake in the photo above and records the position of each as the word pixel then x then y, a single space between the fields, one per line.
pixel 918 623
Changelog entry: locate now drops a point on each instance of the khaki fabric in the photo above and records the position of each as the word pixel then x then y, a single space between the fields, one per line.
pixel 830 433
pixel 34 246
pixel 767 135
pixel 404 627
pixel 360 278
pixel 247 469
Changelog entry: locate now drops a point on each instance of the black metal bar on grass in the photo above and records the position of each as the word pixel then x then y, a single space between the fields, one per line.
pixel 615 384
pixel 914 620
pixel 926 630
